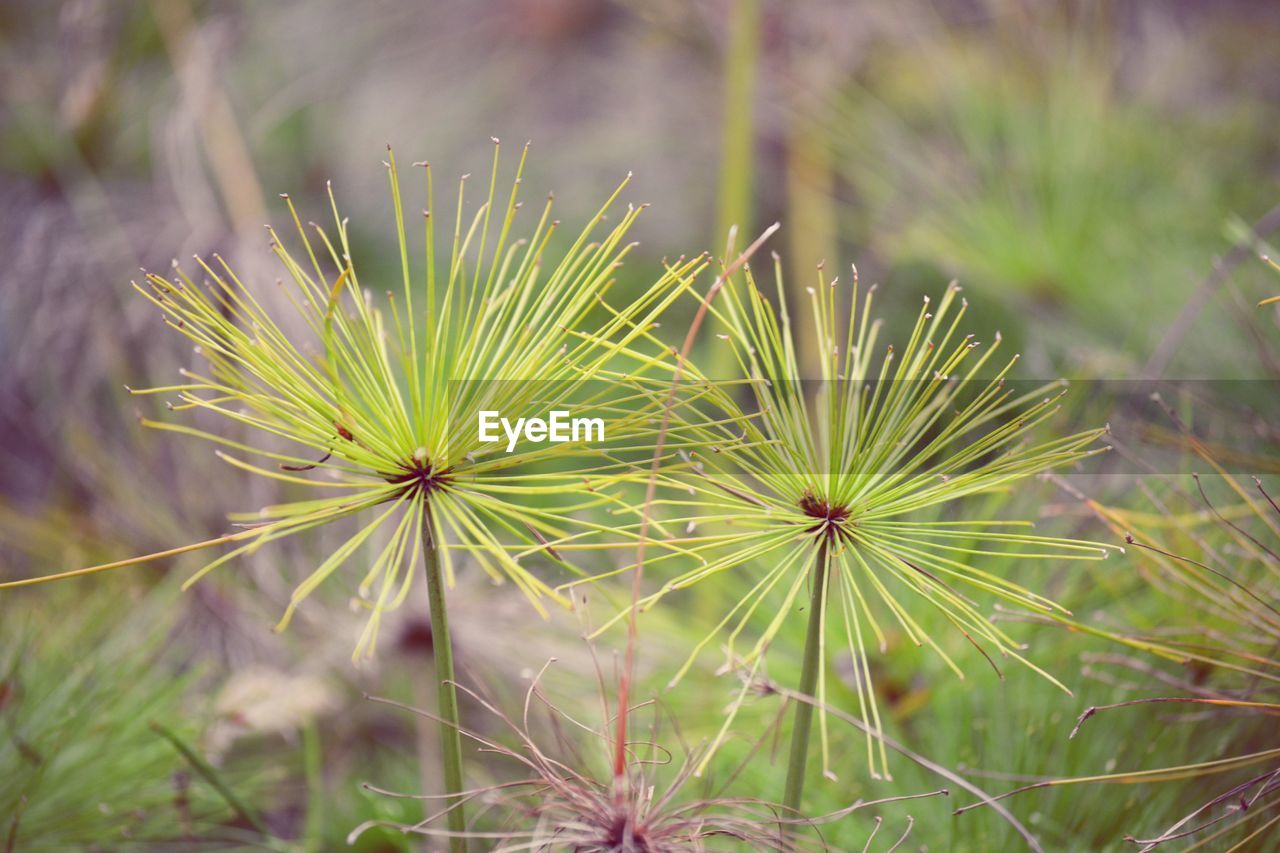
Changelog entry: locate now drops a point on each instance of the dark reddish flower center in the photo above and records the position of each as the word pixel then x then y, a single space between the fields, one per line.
pixel 421 476
pixel 830 516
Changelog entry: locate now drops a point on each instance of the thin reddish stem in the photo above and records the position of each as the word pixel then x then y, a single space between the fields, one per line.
pixel 624 682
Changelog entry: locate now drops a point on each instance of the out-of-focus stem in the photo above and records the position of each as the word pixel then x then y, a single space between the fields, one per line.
pixel 811 231
pixel 736 161
pixel 210 775
pixel 313 762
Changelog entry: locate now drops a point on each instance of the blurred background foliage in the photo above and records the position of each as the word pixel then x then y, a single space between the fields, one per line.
pixel 1083 168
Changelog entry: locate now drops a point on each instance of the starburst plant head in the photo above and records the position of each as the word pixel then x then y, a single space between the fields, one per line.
pixel 374 409
pixel 844 485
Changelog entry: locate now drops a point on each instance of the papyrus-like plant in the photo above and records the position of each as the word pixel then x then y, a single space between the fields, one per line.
pixel 373 410
pixel 372 407
pixel 834 485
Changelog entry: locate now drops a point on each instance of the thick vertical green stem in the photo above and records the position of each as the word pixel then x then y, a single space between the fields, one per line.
pixel 808 683
pixel 447 702
pixel 812 213
pixel 737 175
pixel 738 123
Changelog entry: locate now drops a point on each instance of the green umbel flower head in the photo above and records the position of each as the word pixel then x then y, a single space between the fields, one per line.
pixel 837 483
pixel 374 410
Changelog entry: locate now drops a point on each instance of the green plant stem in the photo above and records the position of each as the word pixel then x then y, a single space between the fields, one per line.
pixel 313 769
pixel 447 701
pixel 808 681
pixel 736 189
pixel 738 122
pixel 210 775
